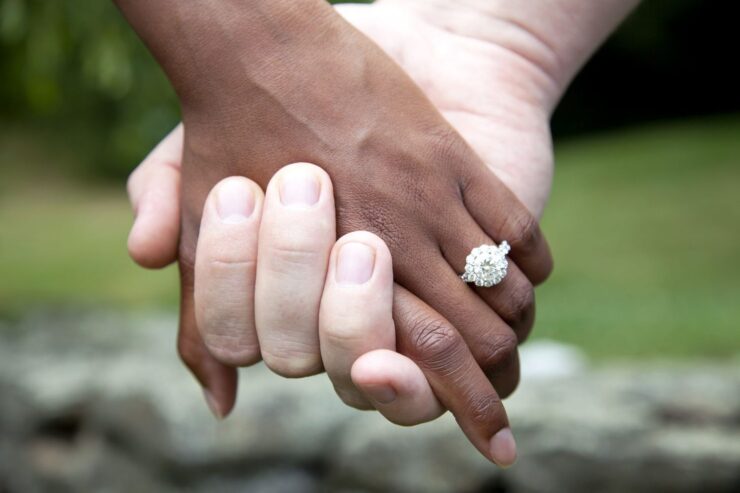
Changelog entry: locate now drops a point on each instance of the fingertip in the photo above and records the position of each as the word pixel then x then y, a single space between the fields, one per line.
pixel 213 404
pixel 152 241
pixel 222 399
pixel 149 243
pixel 236 183
pixel 503 448
pixel 217 381
pixel 304 167
pixel 233 200
pixel 303 172
pixel 368 238
pixel 368 370
pixel 382 266
pixel 396 387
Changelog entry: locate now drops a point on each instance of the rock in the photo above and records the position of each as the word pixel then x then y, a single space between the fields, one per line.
pixel 271 480
pixel 100 402
pixel 431 458
pixel 545 359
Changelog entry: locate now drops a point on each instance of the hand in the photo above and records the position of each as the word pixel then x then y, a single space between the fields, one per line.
pixel 499 100
pixel 356 327
pixel 238 270
pixel 375 166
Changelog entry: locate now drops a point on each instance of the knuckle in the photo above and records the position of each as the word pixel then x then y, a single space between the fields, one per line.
pixel 293 364
pixel 232 350
pixel 524 232
pixel 435 340
pixel 446 145
pixel 500 351
pixel 345 337
pixel 287 253
pixel 352 324
pixel 245 356
pixel 509 388
pixel 229 261
pixel 485 409
pixel 519 304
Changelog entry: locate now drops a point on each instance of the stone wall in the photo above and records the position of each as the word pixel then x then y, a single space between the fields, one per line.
pixel 99 402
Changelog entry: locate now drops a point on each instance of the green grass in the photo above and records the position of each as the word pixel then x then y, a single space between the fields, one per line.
pixel 63 242
pixel 645 229
pixel 68 246
pixel 643 223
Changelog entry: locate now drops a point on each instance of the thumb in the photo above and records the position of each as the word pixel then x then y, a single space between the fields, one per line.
pixel 154 193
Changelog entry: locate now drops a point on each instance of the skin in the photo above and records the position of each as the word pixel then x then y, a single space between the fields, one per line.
pixel 400 171
pixel 359 341
pixel 515 68
pixel 356 328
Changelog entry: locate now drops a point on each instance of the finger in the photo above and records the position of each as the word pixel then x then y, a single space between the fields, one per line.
pixel 225 271
pixel 492 342
pixel 513 298
pixel 503 217
pixel 295 240
pixel 218 380
pixel 396 387
pixel 154 193
pixel 356 315
pixel 505 377
pixel 457 380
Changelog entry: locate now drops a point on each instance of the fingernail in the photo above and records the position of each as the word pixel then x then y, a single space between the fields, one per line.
pixel 299 187
pixel 355 263
pixel 213 404
pixel 382 394
pixel 503 448
pixel 234 201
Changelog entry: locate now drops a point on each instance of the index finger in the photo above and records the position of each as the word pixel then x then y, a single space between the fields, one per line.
pixel 458 382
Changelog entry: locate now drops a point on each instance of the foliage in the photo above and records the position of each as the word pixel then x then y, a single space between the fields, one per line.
pixel 76 65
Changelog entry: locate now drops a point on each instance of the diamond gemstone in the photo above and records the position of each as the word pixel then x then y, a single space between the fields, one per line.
pixel 486 265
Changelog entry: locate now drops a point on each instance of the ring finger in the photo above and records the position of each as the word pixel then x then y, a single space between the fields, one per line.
pixel 513 297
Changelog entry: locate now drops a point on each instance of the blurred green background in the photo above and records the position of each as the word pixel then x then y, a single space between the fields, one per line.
pixel 643 219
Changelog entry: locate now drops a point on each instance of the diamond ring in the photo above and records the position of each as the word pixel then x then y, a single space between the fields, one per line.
pixel 486 265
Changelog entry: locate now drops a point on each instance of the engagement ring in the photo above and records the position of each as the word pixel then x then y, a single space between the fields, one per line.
pixel 486 265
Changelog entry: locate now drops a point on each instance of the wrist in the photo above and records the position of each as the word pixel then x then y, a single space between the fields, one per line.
pixel 554 37
pixel 207 49
pixel 514 48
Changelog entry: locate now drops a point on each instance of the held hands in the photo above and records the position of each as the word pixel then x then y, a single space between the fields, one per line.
pixel 268 272
pixel 251 305
pixel 288 81
pixel 399 171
